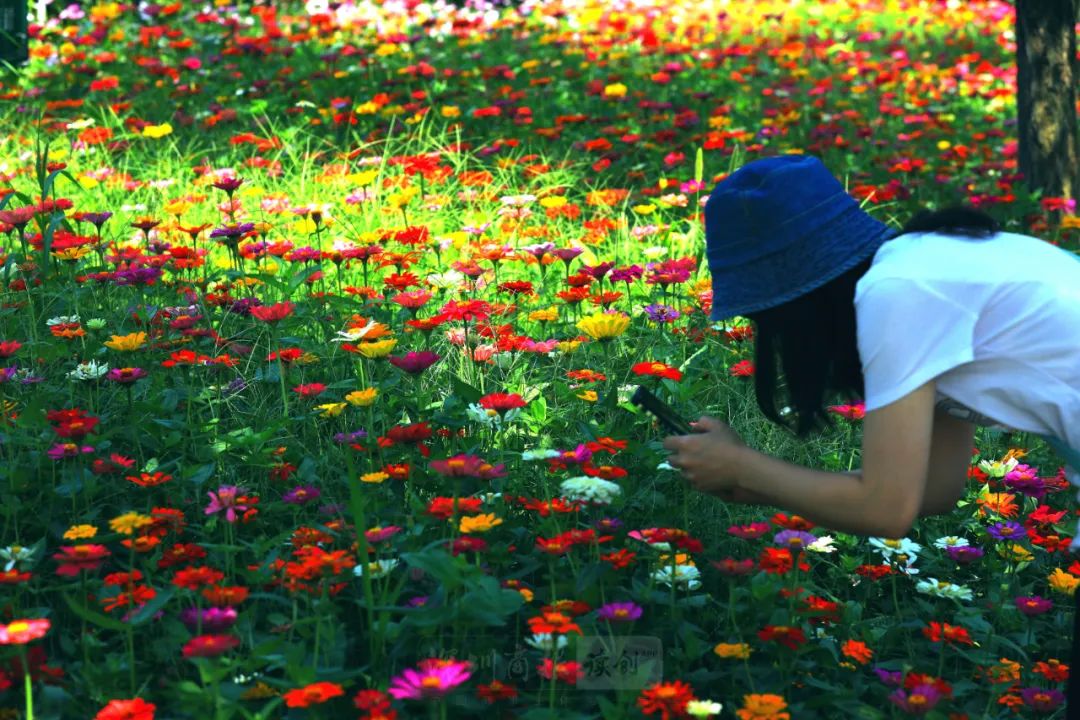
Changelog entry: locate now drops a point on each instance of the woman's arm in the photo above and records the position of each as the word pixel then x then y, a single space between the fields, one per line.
pixel 882 499
pixel 950 458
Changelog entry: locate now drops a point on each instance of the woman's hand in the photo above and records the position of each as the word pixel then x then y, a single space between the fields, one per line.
pixel 707 459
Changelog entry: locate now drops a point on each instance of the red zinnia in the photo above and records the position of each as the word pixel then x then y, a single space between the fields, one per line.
pixel 135 709
pixel 313 694
pixel 667 698
pixel 789 637
pixel 501 402
pixel 272 313
pixel 495 691
pixel 210 645
pixel 657 369
pixel 309 390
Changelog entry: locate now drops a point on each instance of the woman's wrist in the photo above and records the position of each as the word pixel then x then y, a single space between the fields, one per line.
pixel 743 465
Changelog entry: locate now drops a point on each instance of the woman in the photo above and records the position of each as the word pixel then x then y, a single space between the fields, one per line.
pixel 947 325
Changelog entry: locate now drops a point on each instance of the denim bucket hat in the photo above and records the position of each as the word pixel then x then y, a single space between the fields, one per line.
pixel 780 227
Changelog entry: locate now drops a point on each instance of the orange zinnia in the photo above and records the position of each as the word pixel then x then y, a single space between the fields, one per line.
pixel 857 651
pixel 1001 503
pixel 313 694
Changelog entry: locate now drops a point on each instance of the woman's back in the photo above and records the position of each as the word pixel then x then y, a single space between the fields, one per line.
pixel 996 321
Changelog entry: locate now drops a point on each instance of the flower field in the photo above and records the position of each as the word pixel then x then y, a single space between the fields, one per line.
pixel 318 327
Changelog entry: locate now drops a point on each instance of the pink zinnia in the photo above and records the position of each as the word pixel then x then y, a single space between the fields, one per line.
pixel 225 499
pixel 210 645
pixel 433 679
pixel 77 558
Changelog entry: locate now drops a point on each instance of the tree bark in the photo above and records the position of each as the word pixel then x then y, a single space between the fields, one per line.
pixel 1046 79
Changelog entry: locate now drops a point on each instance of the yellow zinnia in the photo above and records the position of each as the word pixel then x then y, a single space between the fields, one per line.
pixel 157 131
pixel 616 90
pixel 80 532
pixel 331 409
pixel 568 346
pixel 378 349
pixel 373 477
pixel 128 523
pixel 604 326
pixel 127 343
pixel 738 651
pixel 479 523
pixel 550 314
pixel 362 398
pixel 1063 582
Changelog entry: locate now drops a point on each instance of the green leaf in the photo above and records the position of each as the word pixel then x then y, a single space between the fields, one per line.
pixel 464 390
pixel 147 611
pixel 93 616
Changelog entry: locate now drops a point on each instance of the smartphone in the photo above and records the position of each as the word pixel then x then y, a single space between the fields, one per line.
pixel 663 412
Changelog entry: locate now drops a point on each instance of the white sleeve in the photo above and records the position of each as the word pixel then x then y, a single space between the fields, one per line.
pixel 909 333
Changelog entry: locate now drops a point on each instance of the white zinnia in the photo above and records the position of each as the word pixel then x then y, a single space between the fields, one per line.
pixel 703 708
pixel 823 544
pixel 542 641
pixel 532 455
pixel 89 370
pixel 379 568
pixel 890 547
pixel 590 489
pixel 950 541
pixel 940 588
pixel 684 575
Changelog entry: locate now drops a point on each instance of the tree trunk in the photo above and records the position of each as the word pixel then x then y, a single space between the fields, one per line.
pixel 1046 79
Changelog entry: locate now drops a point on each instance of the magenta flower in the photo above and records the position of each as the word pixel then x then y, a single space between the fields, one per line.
pixel 125 375
pixel 619 612
pixel 468 466
pixel 214 619
pixel 1033 605
pixel 432 679
pixel 301 495
pixel 60 451
pixel 415 363
pixel 920 700
pixel 749 532
pixel 964 555
pixel 225 499
pixel 1043 701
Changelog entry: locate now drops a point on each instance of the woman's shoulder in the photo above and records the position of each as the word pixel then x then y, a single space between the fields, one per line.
pixel 957 260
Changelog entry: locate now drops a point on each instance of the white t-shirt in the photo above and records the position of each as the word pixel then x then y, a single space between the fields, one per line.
pixel 995 322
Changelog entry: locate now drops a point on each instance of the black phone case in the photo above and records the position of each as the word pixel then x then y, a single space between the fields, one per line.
pixel 663 412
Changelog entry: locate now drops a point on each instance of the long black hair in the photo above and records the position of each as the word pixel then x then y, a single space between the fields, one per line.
pixel 811 343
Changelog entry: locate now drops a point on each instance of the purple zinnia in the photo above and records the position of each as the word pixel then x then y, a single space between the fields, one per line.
pixel 890 677
pixel 1009 530
pixel 607 525
pixel 214 619
pixel 920 700
pixel 349 438
pixel 1033 605
pixel 1042 700
pixel 662 313
pixel 794 539
pixel 301 495
pixel 964 555
pixel 619 612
